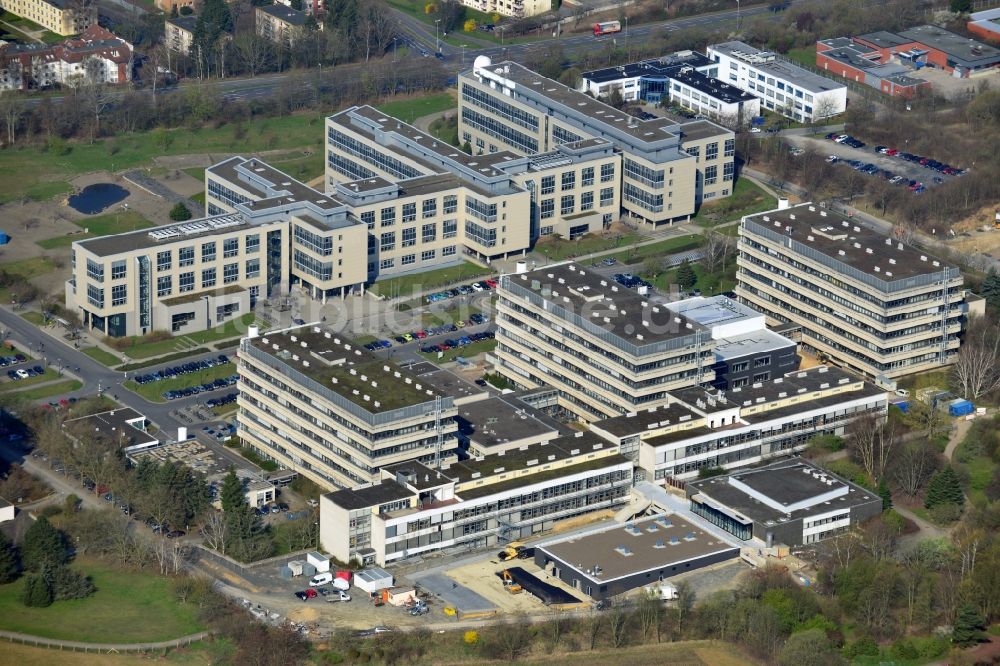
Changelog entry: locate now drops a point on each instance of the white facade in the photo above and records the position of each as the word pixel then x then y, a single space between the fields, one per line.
pixel 782 87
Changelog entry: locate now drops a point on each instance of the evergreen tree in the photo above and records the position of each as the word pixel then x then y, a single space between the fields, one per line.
pixel 180 213
pixel 43 546
pixel 885 494
pixel 961 6
pixel 969 626
pixel 65 583
pixel 232 495
pixel 10 566
pixel 686 277
pixel 991 288
pixel 944 488
pixel 36 592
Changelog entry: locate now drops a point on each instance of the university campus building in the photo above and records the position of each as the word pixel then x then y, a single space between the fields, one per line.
pixel 864 300
pixel 668 168
pixel 59 16
pixel 783 87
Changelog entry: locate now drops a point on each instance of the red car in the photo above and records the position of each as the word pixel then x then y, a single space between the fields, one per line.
pixel 420 335
pixel 892 152
pixel 492 283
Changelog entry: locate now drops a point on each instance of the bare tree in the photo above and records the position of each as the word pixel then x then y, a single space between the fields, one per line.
pixel 216 531
pixel 913 466
pixel 870 440
pixel 593 624
pixel 650 611
pixel 977 370
pixel 253 52
pixel 12 111
pixel 621 613
pixel 716 251
pixel 511 637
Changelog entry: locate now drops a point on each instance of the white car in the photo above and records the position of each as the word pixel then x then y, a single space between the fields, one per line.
pixel 321 579
pixel 22 374
pixel 755 130
pixel 340 595
pixel 477 287
pixel 903 393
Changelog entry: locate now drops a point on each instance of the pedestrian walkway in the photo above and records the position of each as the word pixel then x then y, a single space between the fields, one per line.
pixel 106 648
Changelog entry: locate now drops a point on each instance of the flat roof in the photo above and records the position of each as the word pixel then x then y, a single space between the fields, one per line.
pixel 284 13
pixel 884 39
pixel 787 483
pixel 715 88
pixel 186 23
pixel 365 497
pixel 631 317
pixel 667 65
pixel 168 234
pixel 754 342
pixel 846 241
pixel 634 423
pixel 444 380
pixel 858 56
pixel 713 310
pixel 961 48
pixel 766 61
pixel 496 421
pixel 647 545
pixel 339 364
pixel 114 424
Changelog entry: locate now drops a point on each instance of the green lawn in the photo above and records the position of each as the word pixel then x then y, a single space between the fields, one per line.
pixel 406 285
pixel 251 455
pixel 466 352
pixel 27 167
pixel 231 329
pixel 198 173
pixel 139 348
pixel 46 191
pixel 198 198
pixel 980 470
pixel 12 385
pixel 113 223
pixel 128 607
pixel 747 198
pixel 29 268
pixel 409 110
pixel 803 56
pixel 61 241
pixel 51 390
pixel 708 285
pixel 303 168
pixel 153 391
pixel 557 249
pixel 668 246
pixel 35 318
pixel 103 357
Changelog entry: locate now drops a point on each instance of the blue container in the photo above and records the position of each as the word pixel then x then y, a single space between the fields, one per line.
pixel 960 407
pixel 4 238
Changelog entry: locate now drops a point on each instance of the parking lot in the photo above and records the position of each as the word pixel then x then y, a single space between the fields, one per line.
pixel 887 166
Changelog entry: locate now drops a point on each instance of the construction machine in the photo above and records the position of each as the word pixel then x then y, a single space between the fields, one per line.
pixel 510 584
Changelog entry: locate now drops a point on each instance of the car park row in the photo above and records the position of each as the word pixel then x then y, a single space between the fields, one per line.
pixel 457 342
pixel 475 319
pixel 913 185
pixel 214 385
pixel 178 370
pixel 464 290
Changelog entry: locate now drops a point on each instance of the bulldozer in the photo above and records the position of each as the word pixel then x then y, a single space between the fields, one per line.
pixel 509 584
pixel 511 551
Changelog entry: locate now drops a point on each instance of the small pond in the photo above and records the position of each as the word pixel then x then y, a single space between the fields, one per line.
pixel 95 198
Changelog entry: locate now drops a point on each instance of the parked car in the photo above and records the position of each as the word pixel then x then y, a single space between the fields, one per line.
pixel 321 579
pixel 339 595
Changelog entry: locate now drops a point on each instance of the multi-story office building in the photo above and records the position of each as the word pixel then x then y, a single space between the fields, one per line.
pixel 668 168
pixel 686 78
pixel 864 300
pixel 606 349
pixel 782 87
pixel 706 428
pixel 569 191
pixel 59 16
pixel 321 405
pixel 790 502
pixel 414 509
pixel 96 57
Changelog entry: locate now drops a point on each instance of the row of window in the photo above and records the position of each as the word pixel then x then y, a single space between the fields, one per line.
pixel 407 259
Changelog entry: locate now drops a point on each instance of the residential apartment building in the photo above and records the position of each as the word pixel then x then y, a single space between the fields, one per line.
pixel 706 428
pixel 279 23
pixel 178 33
pixel 319 404
pixel 513 8
pixel 607 350
pixel 570 191
pixel 866 301
pixel 96 56
pixel 668 168
pixel 62 17
pixel 414 509
pixel 782 87
pixel 685 78
pixel 792 502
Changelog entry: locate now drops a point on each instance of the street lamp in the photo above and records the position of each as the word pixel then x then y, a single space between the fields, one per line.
pixel 738 16
pixel 437 38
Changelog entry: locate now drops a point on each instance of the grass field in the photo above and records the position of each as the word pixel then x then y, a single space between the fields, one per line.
pixel 707 284
pixel 35 318
pixel 409 110
pixel 46 191
pixel 557 249
pixel 51 390
pixel 139 348
pixel 668 246
pixel 231 329
pixel 803 56
pixel 11 385
pixel 29 268
pixel 154 391
pixel 103 357
pixel 196 654
pixel 128 607
pixel 747 198
pixel 99 225
pixel 406 285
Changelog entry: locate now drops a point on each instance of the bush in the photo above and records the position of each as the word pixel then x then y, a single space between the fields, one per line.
pixel 44 547
pixel 863 647
pixel 180 213
pixel 471 637
pixel 36 592
pixel 50 510
pixel 945 514
pixel 66 583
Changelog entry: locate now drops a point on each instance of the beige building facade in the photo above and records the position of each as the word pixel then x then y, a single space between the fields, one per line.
pixel 861 299
pixel 514 8
pixel 59 16
pixel 668 169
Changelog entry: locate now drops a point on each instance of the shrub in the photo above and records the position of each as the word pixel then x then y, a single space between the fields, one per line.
pixel 44 547
pixel 180 213
pixel 945 514
pixel 471 637
pixel 66 583
pixel 863 647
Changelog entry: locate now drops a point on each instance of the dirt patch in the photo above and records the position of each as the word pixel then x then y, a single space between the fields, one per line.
pixel 304 615
pixel 983 237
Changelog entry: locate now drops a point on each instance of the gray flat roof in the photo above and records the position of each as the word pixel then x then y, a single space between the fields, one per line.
pixel 843 49
pixel 667 65
pixel 884 39
pixel 787 482
pixel 755 342
pixel 113 424
pixel 715 88
pixel 382 492
pixel 639 422
pixel 844 240
pixel 445 381
pixel 595 297
pixel 961 48
pixel 106 246
pixel 496 421
pixel 286 14
pixel 798 76
pixel 621 551
pixel 712 310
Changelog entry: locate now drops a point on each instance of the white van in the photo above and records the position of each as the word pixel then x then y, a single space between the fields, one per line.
pixel 321 579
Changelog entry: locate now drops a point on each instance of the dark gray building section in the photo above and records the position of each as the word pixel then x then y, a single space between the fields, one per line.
pixel 614 561
pixel 759 356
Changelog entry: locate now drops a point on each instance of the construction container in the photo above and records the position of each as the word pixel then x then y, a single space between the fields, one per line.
pixel 960 407
pixel 296 567
pixel 318 560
